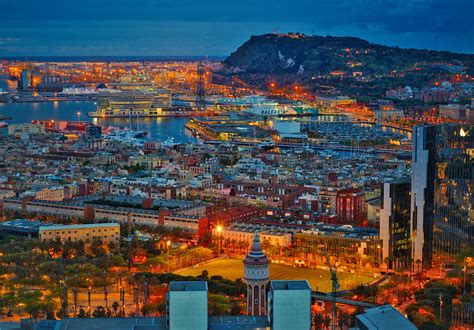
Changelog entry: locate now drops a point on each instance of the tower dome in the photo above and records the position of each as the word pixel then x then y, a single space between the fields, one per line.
pixel 256 276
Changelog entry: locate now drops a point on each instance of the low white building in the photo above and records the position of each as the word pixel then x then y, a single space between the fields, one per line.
pixel 289 305
pixel 20 129
pixel 187 305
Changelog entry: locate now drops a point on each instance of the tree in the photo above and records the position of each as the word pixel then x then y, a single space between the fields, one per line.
pixel 235 308
pixel 97 249
pixel 327 321
pixel 99 312
pixel 115 307
pixel 205 274
pixel 147 309
pixel 344 319
pixel 318 320
pixel 82 313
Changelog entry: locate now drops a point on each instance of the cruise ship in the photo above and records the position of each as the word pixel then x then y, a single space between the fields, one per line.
pixel 273 109
pixel 242 101
pixel 125 104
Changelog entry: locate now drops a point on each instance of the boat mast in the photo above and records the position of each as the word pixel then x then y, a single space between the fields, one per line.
pixel 138 122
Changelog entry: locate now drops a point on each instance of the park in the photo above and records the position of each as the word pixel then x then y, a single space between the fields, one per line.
pixel 318 278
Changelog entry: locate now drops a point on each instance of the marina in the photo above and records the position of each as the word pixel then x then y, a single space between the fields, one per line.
pixel 158 128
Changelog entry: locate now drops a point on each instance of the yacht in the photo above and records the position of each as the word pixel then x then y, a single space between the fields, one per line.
pixel 169 142
pixel 4 95
pixel 267 144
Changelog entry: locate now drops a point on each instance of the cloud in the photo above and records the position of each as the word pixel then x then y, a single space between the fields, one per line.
pixel 218 27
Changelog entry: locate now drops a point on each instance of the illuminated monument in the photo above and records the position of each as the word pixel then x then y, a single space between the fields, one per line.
pixel 256 276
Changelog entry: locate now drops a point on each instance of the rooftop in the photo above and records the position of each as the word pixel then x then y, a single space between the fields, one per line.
pixel 290 285
pixel 23 225
pixel 384 317
pixel 80 226
pixel 146 323
pixel 188 286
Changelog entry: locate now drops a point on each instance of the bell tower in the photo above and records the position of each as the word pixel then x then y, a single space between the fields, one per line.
pixel 256 276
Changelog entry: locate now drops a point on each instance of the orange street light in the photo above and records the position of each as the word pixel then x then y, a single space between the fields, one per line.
pixel 219 231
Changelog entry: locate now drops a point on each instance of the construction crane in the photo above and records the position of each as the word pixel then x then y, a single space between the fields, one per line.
pixel 201 87
pixel 335 287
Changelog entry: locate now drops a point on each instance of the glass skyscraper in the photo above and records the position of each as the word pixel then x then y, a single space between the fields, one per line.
pixel 442 218
pixel 395 222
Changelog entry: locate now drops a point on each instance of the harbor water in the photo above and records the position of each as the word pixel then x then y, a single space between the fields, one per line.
pixel 158 128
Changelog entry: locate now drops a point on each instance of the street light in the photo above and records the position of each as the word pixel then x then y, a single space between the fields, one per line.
pixel 464 277
pixel 168 245
pixel 78 117
pixel 219 231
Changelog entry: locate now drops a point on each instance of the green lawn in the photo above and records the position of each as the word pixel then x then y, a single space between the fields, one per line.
pixel 319 279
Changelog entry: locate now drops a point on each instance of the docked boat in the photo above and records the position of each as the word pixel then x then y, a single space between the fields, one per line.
pixel 169 142
pixel 4 95
pixel 305 111
pixel 274 109
pixel 242 101
pixel 3 124
pixel 267 144
pixel 126 135
pixel 268 109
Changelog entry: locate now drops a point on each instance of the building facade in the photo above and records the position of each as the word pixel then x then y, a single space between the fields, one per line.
pixel 350 206
pixel 186 305
pixel 105 232
pixel 19 129
pixel 442 192
pixel 395 223
pixel 289 305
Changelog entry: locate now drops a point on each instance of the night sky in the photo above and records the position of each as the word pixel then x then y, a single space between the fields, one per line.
pixel 208 27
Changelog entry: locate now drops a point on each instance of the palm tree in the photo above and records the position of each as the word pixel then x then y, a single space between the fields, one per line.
pixel 318 320
pixel 115 307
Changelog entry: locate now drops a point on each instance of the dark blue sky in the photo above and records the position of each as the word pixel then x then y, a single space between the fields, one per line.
pixel 208 27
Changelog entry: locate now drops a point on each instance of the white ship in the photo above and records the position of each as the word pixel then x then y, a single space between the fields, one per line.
pixel 269 109
pixel 4 95
pixel 126 135
pixel 267 144
pixel 78 91
pixel 242 101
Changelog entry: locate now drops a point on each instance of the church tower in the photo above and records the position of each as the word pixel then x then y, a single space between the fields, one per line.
pixel 256 276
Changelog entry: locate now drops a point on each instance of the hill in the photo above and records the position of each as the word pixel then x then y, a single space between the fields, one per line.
pixel 301 57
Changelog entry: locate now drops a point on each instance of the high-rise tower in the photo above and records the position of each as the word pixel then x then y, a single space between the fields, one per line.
pixel 200 87
pixel 256 276
pixel 442 198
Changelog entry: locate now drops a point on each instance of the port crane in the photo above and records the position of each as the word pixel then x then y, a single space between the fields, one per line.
pixel 335 287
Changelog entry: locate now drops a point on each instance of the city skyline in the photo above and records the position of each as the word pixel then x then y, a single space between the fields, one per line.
pixel 201 165
pixel 150 28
